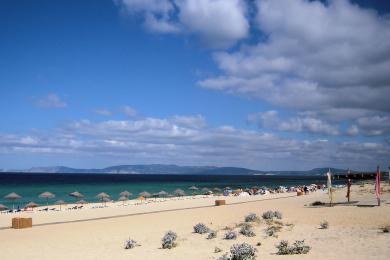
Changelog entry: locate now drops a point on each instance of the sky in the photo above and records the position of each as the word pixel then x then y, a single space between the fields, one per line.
pixel 262 84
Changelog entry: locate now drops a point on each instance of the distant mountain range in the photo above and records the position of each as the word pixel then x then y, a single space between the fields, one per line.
pixel 174 169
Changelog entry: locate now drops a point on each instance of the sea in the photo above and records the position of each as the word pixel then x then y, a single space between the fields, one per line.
pixel 30 185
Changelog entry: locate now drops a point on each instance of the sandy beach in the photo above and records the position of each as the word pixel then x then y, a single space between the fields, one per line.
pixel 100 233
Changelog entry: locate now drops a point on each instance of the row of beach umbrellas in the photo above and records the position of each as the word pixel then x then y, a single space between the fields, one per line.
pixel 103 197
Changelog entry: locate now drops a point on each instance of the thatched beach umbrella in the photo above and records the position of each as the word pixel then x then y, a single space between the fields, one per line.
pixel 13 196
pixel 76 195
pixel 162 194
pixel 47 195
pixel 180 192
pixel 145 194
pixel 82 202
pixel 31 205
pixel 123 199
pixel 216 189
pixel 103 197
pixel 193 189
pixel 3 207
pixel 60 202
pixel 125 194
pixel 205 190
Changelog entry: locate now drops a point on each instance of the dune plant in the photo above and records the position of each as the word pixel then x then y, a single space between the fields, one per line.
pixel 247 231
pixel 230 235
pixel 212 234
pixel 272 230
pixel 130 243
pixel 251 217
pixel 385 229
pixel 269 215
pixel 169 240
pixel 201 228
pixel 297 248
pixel 324 224
pixel 242 251
pixel 278 215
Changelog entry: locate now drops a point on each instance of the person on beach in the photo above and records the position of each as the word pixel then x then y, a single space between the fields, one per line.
pixel 349 184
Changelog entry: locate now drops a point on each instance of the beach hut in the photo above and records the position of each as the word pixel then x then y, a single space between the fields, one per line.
pixel 31 205
pixel 13 197
pixel 60 202
pixel 47 195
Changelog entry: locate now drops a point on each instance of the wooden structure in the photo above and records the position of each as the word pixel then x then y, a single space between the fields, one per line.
pixel 220 202
pixel 19 223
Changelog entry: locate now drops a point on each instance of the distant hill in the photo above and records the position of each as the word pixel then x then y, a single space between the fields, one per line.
pixel 175 169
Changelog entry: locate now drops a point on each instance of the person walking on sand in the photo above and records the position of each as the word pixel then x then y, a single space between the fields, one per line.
pixel 349 184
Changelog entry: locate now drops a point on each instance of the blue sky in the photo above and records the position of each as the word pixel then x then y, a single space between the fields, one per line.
pixel 210 82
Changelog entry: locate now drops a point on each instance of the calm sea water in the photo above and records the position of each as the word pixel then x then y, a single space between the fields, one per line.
pixel 29 186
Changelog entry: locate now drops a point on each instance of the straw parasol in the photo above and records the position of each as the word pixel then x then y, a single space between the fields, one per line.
pixel 60 202
pixel 31 205
pixel 82 202
pixel 13 196
pixel 193 189
pixel 123 199
pixel 47 195
pixel 145 194
pixel 76 195
pixel 180 192
pixel 125 194
pixel 2 207
pixel 162 193
pixel 205 190
pixel 103 197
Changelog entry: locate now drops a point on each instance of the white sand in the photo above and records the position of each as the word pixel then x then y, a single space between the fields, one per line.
pixel 353 231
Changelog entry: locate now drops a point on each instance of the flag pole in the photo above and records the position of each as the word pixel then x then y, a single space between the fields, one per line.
pixel 378 185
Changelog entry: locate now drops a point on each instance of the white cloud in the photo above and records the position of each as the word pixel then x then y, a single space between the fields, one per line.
pixel 315 57
pixel 129 111
pixel 271 120
pixel 219 23
pixel 188 140
pixel 103 112
pixel 50 101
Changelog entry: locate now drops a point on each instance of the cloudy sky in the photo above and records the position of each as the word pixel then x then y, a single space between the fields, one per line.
pixel 263 84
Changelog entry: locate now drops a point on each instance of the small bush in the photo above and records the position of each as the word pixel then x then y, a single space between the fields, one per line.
pixel 247 231
pixel 230 235
pixel 242 252
pixel 217 250
pixel 212 234
pixel 130 243
pixel 324 224
pixel 297 248
pixel 278 215
pixel 224 257
pixel 268 215
pixel 258 244
pixel 252 217
pixel 169 240
pixel 385 229
pixel 317 203
pixel 201 228
pixel 272 230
